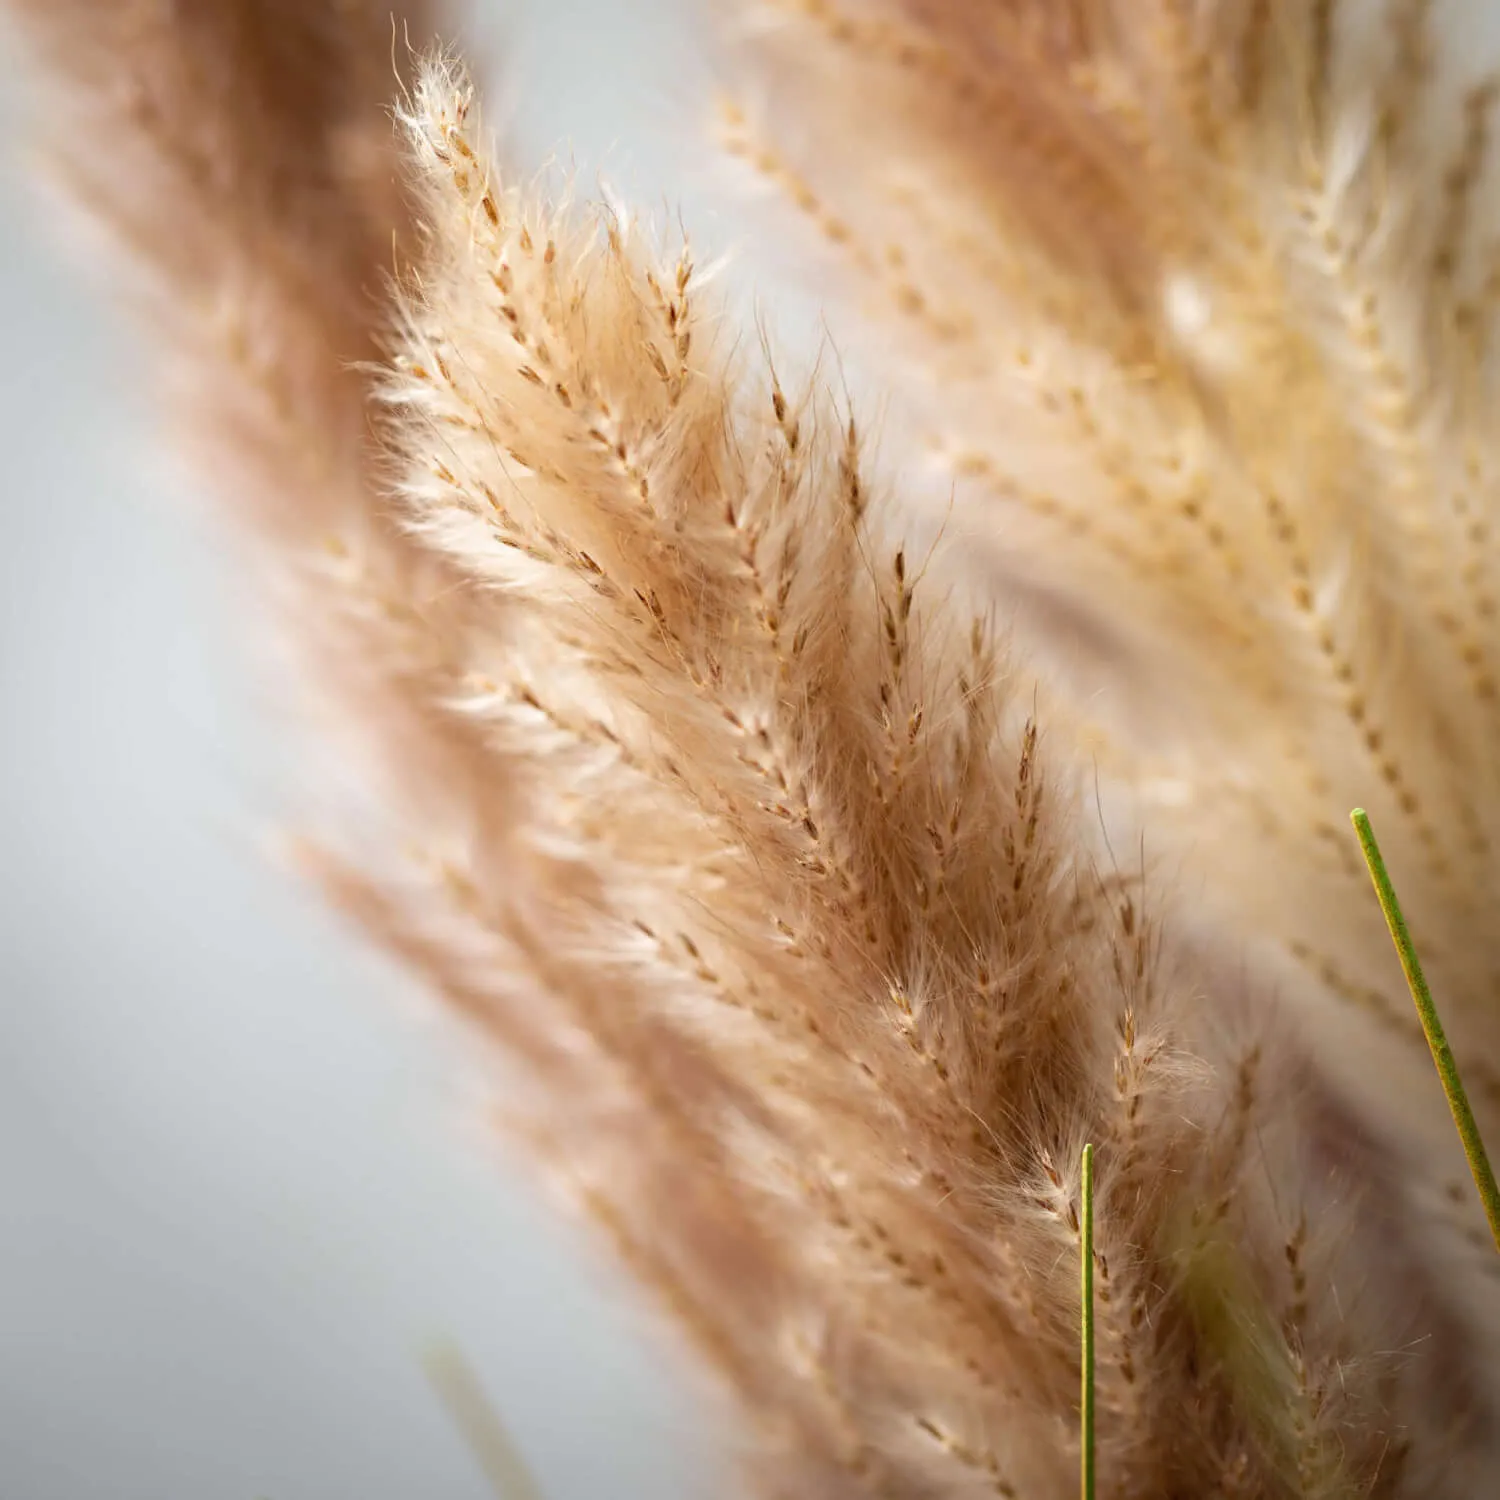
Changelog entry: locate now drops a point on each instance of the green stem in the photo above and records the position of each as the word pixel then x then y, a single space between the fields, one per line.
pixel 1437 1042
pixel 1087 1279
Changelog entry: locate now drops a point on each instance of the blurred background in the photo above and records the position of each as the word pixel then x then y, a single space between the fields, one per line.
pixel 243 1184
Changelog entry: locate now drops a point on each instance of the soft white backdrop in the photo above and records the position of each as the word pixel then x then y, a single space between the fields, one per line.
pixel 239 1186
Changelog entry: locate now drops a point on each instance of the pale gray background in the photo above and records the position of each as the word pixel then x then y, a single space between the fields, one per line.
pixel 239 1188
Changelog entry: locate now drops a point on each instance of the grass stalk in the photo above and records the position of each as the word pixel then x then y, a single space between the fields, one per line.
pixel 463 1397
pixel 1437 1042
pixel 1086 1239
